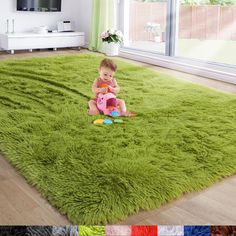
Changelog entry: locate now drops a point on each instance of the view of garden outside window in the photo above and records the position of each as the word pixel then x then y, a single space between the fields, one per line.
pixel 147 24
pixel 207 30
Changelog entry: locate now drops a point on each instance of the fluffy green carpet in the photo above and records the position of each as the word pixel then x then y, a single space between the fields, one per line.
pixel 182 140
pixel 91 230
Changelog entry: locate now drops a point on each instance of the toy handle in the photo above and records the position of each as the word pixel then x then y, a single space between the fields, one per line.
pixel 106 86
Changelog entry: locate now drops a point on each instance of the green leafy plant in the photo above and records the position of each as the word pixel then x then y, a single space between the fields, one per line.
pixel 112 36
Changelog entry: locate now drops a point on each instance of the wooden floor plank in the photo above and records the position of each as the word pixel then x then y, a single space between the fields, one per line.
pixel 8 214
pixel 215 205
pixel 209 210
pixel 174 214
pixel 22 204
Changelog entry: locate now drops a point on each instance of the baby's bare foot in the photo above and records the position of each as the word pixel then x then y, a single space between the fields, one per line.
pixel 92 113
pixel 129 114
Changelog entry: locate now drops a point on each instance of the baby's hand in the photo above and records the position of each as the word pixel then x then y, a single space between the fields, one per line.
pixel 110 89
pixel 103 90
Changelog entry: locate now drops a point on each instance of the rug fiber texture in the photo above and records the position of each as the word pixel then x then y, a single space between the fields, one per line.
pixel 182 140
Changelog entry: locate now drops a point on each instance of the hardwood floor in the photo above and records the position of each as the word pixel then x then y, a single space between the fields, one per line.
pixel 215 205
pixel 22 204
pixel 40 53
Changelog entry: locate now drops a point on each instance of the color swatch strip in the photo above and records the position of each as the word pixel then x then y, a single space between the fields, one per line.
pixel 119 230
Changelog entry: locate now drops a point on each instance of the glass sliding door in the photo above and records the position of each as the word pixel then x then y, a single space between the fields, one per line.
pixel 198 32
pixel 145 25
pixel 207 30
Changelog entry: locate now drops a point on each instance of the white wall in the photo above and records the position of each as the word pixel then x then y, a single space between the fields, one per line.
pixel 83 14
pixel 78 11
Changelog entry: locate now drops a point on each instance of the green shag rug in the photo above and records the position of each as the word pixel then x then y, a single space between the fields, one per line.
pixel 182 140
pixel 92 230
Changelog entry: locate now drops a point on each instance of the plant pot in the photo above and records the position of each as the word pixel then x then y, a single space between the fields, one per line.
pixel 112 49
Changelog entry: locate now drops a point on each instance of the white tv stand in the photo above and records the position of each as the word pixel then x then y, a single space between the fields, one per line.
pixel 30 41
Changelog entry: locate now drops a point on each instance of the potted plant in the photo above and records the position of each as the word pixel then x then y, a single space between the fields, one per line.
pixel 112 39
pixel 155 29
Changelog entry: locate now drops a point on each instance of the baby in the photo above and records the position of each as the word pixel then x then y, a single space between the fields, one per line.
pixel 106 83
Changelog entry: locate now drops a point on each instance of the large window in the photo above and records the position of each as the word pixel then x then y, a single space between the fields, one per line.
pixel 201 30
pixel 207 30
pixel 145 23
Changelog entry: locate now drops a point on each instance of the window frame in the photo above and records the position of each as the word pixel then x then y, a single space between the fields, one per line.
pixel 210 69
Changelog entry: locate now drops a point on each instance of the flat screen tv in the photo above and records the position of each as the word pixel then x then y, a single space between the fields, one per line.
pixel 39 5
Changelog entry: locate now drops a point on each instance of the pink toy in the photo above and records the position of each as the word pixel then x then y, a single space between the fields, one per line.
pixel 107 104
